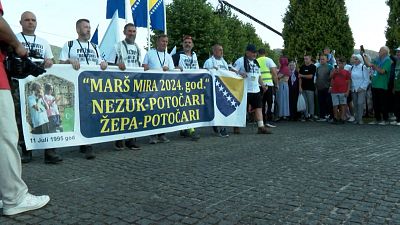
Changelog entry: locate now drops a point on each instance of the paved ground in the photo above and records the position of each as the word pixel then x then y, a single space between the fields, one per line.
pixel 304 173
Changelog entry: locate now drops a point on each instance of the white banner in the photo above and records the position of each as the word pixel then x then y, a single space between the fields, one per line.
pixel 65 107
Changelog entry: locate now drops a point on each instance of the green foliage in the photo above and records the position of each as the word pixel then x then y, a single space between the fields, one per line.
pixel 208 26
pixel 312 25
pixel 393 29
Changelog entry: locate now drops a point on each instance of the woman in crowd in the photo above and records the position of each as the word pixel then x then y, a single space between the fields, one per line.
pixel 293 84
pixel 283 91
pixel 359 85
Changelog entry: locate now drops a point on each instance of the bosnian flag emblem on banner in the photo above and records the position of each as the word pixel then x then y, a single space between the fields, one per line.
pixel 229 94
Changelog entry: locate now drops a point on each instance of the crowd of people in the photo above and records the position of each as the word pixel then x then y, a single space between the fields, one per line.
pixel 332 90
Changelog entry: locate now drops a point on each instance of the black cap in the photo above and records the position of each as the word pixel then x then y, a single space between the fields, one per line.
pixel 251 48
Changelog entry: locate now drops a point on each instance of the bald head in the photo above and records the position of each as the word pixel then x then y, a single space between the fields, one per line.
pixel 28 23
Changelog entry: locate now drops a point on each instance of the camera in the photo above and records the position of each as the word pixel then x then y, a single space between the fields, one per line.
pixel 21 67
pixel 362 50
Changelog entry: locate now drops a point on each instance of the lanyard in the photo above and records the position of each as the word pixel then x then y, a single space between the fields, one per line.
pixel 162 63
pixel 30 48
pixel 86 55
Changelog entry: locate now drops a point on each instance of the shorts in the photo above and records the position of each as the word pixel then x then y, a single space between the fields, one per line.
pixel 338 99
pixel 254 100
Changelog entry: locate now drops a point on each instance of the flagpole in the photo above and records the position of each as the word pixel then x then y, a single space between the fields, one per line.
pixel 127 9
pixel 148 25
pixel 165 19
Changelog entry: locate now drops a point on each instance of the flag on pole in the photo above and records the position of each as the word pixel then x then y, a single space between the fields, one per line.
pixel 115 5
pixel 157 15
pixel 139 12
pixel 110 38
pixel 95 37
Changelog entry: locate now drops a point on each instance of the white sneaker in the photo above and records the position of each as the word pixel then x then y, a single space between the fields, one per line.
pixel 383 123
pixel 393 123
pixel 270 125
pixel 30 202
pixel 373 122
pixel 351 119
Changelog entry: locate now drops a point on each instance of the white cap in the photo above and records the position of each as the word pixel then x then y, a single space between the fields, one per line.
pixel 397 49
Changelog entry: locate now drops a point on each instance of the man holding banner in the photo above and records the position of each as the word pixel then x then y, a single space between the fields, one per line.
pixel 79 51
pixel 128 56
pixel 187 60
pixel 39 47
pixel 159 59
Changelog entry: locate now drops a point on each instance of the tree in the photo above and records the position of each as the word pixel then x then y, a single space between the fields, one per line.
pixel 392 32
pixel 208 26
pixel 312 25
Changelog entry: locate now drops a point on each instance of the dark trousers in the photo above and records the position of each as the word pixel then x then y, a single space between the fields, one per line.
pixel 397 105
pixel 324 103
pixel 379 101
pixel 268 98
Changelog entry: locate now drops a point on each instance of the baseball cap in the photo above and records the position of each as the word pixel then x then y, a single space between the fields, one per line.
pixel 251 48
pixel 397 49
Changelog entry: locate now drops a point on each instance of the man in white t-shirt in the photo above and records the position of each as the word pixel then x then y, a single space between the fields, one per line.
pixel 159 59
pixel 187 60
pixel 249 69
pixel 128 56
pixel 217 62
pixel 37 47
pixel 82 51
pixel 128 52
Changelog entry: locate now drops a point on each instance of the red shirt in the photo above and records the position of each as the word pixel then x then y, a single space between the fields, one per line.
pixel 340 81
pixel 3 76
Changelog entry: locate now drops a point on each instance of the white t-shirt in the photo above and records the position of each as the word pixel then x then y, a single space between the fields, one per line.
pixel 129 53
pixel 53 107
pixel 83 52
pixel 212 63
pixel 38 117
pixel 156 60
pixel 252 76
pixel 40 45
pixel 188 62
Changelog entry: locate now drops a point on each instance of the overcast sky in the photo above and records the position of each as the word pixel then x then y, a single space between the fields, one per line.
pixel 56 19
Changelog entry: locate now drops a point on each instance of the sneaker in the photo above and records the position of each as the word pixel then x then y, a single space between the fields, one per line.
pixel 89 154
pixel 383 123
pixel 163 139
pixel 373 122
pixel 321 120
pixel 270 125
pixel 236 130
pixel 26 156
pixel 184 133
pixel 131 144
pixel 194 136
pixel 119 145
pixel 153 139
pixel 223 133
pixel 351 119
pixel 215 129
pixel 30 202
pixel 51 157
pixel 263 130
pixel 393 123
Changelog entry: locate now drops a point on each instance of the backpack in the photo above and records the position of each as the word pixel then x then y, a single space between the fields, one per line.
pixel 71 43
